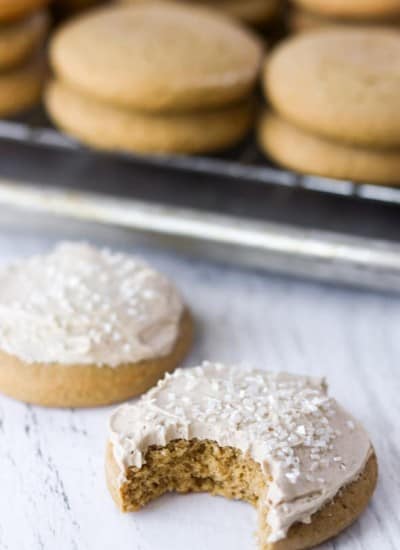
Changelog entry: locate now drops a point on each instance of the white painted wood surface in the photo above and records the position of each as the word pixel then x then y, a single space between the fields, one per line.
pixel 52 489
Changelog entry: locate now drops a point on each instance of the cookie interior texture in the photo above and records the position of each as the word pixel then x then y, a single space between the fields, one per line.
pixel 196 465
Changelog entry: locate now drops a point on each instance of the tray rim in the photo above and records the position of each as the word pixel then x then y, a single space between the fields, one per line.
pixel 265 174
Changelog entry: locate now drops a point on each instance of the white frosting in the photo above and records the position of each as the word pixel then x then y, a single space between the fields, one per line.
pixel 300 437
pixel 81 305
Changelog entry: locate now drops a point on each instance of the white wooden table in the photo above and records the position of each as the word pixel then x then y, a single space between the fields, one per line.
pixel 52 489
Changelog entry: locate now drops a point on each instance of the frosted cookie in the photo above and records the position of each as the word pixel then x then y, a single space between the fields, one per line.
pixel 352 9
pixel 20 87
pixel 18 39
pixel 341 83
pixel 83 327
pixel 309 154
pixel 277 441
pixel 114 128
pixel 14 9
pixel 157 56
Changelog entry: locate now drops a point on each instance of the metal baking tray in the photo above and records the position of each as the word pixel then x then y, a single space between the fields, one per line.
pixel 235 207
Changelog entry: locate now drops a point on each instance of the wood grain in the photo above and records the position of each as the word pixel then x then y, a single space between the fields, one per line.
pixel 53 493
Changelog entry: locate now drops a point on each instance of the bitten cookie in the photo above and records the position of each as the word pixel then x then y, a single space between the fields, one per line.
pixel 352 9
pixel 14 9
pixel 277 441
pixel 309 154
pixel 20 88
pixel 341 83
pixel 83 327
pixel 113 128
pixel 18 39
pixel 157 56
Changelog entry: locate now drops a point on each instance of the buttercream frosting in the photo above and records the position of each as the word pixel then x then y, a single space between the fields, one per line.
pixel 79 305
pixel 309 445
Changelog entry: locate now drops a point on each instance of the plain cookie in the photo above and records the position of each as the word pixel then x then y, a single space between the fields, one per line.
pixel 18 39
pixel 82 327
pixel 304 152
pixel 113 128
pixel 157 57
pixel 341 83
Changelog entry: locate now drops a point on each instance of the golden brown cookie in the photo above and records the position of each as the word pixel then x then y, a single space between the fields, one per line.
pixel 310 154
pixel 157 56
pixel 14 9
pixel 20 88
pixel 340 513
pixel 19 38
pixel 114 128
pixel 352 9
pixel 82 327
pixel 249 435
pixel 341 83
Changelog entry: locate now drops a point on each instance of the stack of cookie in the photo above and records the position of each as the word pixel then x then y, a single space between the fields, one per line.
pixel 23 27
pixel 335 94
pixel 154 77
pixel 311 14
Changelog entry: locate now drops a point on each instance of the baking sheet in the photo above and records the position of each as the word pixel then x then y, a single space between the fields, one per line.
pixel 234 208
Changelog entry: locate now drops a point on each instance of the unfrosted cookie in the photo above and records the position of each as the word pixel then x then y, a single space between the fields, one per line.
pixel 309 154
pixel 342 83
pixel 352 9
pixel 19 38
pixel 277 441
pixel 14 9
pixel 20 88
pixel 83 327
pixel 157 56
pixel 107 127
